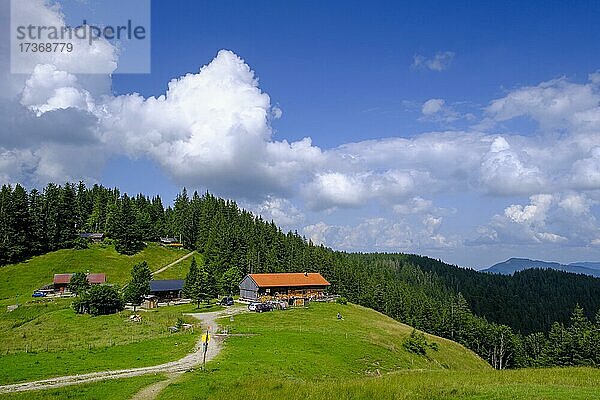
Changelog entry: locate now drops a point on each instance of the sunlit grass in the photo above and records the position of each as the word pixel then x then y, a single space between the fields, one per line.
pixel 23 278
pixel 48 339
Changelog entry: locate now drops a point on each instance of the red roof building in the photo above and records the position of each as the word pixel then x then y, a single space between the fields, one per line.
pixel 95 279
pixel 283 285
pixel 61 281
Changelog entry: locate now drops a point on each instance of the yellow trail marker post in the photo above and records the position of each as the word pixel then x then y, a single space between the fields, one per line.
pixel 205 340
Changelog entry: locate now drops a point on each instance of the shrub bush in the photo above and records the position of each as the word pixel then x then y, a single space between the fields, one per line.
pixel 99 300
pixel 341 300
pixel 417 343
pixel 81 243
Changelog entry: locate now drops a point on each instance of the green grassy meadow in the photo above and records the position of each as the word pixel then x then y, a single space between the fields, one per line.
pixel 23 278
pixel 524 384
pixel 311 345
pixel 309 354
pixel 117 389
pixel 45 339
pixel 304 353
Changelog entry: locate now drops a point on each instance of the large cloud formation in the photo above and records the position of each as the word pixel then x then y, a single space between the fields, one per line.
pixel 212 129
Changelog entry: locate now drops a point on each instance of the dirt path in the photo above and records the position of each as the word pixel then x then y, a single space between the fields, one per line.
pixel 175 367
pixel 188 255
pixel 151 392
pixel 209 322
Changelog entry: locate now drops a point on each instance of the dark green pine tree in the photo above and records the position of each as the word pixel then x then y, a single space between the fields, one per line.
pixel 157 213
pixel 580 335
pixel 557 351
pixel 84 207
pixel 5 222
pixel 51 215
pixel 139 285
pixel 19 225
pixel 67 216
pixel 181 218
pixel 126 231
pixel 144 218
pixel 212 288
pixel 230 281
pixel 38 240
pixel 192 288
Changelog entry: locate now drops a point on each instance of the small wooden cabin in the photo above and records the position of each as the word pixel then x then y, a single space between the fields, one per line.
pixel 167 289
pixel 304 285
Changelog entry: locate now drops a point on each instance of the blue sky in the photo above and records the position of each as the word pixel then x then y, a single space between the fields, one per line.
pixel 464 131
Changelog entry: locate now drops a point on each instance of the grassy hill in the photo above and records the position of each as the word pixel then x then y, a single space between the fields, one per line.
pixel 524 384
pixel 273 350
pixel 309 354
pixel 46 338
pixel 23 278
pixel 304 353
pixel 299 354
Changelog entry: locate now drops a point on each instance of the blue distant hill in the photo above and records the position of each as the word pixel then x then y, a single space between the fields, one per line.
pixel 513 265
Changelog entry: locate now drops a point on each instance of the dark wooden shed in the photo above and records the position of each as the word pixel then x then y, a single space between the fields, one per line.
pixel 166 289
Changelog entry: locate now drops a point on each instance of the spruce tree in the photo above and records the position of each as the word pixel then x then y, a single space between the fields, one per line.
pixel 126 230
pixel 139 285
pixel 19 225
pixel 192 288
pixel 38 240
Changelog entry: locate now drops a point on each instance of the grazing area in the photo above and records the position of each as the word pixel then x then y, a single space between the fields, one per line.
pixel 307 353
pixel 531 384
pixel 46 339
pixel 23 278
pixel 313 345
pixel 117 389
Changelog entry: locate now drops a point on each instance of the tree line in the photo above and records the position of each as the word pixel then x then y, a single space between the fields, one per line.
pixel 511 321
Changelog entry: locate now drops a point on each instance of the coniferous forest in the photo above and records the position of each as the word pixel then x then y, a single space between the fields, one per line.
pixel 532 318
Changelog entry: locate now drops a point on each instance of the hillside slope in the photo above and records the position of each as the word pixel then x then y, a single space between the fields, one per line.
pixel 23 278
pixel 312 345
pixel 528 301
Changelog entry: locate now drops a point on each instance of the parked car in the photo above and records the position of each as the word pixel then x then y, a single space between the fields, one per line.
pixel 252 306
pixel 262 307
pixel 227 301
pixel 38 294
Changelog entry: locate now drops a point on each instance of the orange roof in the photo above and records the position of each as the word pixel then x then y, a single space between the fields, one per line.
pixel 289 279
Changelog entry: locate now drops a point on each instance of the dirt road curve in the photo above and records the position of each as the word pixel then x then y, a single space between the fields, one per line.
pixel 175 367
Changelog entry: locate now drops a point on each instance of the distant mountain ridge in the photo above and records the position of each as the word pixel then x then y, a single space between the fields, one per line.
pixel 513 265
